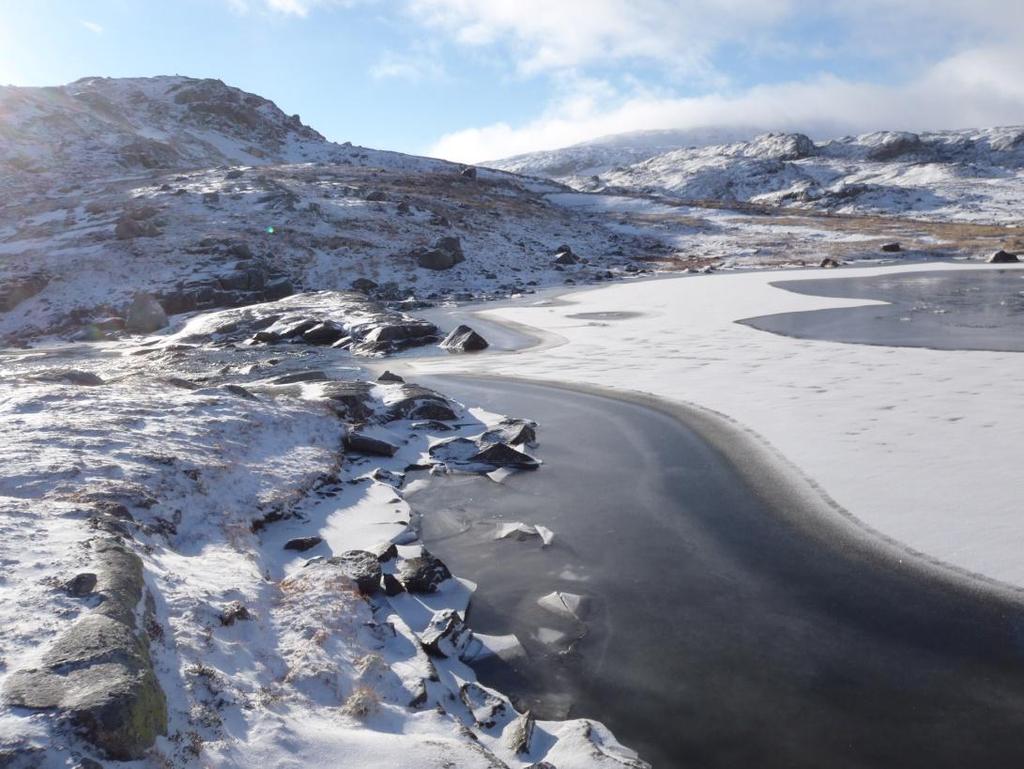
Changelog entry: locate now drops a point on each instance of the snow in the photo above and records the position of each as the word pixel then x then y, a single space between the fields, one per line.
pixel 921 445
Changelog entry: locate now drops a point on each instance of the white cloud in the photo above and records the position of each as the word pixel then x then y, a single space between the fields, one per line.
pixel 420 64
pixel 566 34
pixel 92 26
pixel 977 87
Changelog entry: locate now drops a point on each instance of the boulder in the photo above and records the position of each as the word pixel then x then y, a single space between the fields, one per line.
pixel 517 735
pixel 423 573
pixel 376 196
pixel 464 339
pixel 302 544
pixel 80 585
pixel 469 172
pixel 145 315
pixel 362 567
pixel 564 256
pixel 1002 257
pixel 388 378
pixel 325 333
pixel 364 444
pixel 829 263
pixel 350 399
pixel 446 635
pixel 17 290
pixel 445 254
pixel 891 248
pixel 364 285
pixel 415 402
pixel 514 432
pixel 128 227
pixel 300 376
pixel 98 674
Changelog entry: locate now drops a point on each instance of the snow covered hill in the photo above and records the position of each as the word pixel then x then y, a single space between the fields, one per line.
pixel 601 155
pixel 967 175
pixel 207 196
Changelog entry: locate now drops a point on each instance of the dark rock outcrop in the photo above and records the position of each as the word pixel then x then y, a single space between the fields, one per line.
pixel 98 673
pixel 501 455
pixel 891 248
pixel 464 339
pixel 362 567
pixel 829 263
pixel 446 636
pixel 302 544
pixel 1002 257
pixel 445 254
pixel 364 444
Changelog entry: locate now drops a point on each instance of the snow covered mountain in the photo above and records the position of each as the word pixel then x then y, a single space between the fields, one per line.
pixel 598 156
pixel 966 175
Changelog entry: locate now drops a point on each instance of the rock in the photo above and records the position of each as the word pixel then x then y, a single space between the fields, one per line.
pixel 71 376
pixel 302 544
pixel 464 339
pixel 392 586
pixel 376 196
pixel 300 376
pixel 524 531
pixel 514 432
pixel 414 402
pixel 502 455
pixel 298 329
pixel 364 444
pixel 362 567
pixel 278 289
pixel 180 383
pixel 145 315
pixel 517 735
pixel 127 228
pixel 17 290
pixel 423 573
pixel 469 172
pixel 238 390
pixel 829 263
pixel 350 398
pixel 234 612
pixel 325 333
pixel 891 248
pixel 446 635
pixel 98 673
pixel 445 254
pixel 1002 257
pixel 364 285
pixel 234 173
pixel 80 585
pixel 565 258
pixel 388 377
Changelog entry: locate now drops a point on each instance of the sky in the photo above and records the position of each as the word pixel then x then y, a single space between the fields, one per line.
pixel 475 80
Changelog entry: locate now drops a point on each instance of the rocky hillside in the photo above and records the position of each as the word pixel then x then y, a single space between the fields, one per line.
pixel 970 175
pixel 207 196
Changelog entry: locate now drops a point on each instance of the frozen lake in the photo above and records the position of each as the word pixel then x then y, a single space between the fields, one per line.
pixel 943 310
pixel 719 633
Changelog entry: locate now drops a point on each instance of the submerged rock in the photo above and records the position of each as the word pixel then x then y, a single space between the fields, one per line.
pixel 464 339
pixel 501 455
pixel 569 605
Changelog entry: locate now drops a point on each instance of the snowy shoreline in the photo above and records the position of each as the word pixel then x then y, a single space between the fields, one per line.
pixel 810 401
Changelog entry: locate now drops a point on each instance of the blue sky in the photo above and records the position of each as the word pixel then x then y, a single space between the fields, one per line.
pixel 479 79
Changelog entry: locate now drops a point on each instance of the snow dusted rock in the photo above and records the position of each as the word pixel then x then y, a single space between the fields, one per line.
pixel 889 145
pixel 1002 257
pixel 446 635
pixel 17 290
pixel 351 398
pixel 469 172
pixel 411 401
pixel 71 376
pixel 565 256
pixel 423 574
pixel 488 707
pixel 360 566
pixel 514 432
pixel 128 227
pixel 523 531
pixel 145 315
pixel 568 605
pixel 517 735
pixel 828 263
pixel 891 248
pixel 98 674
pixel 464 339
pixel 445 254
pixel 234 612
pixel 388 378
pixel 501 455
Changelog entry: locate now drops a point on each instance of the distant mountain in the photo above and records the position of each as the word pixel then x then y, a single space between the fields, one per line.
pixel 949 174
pixel 597 156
